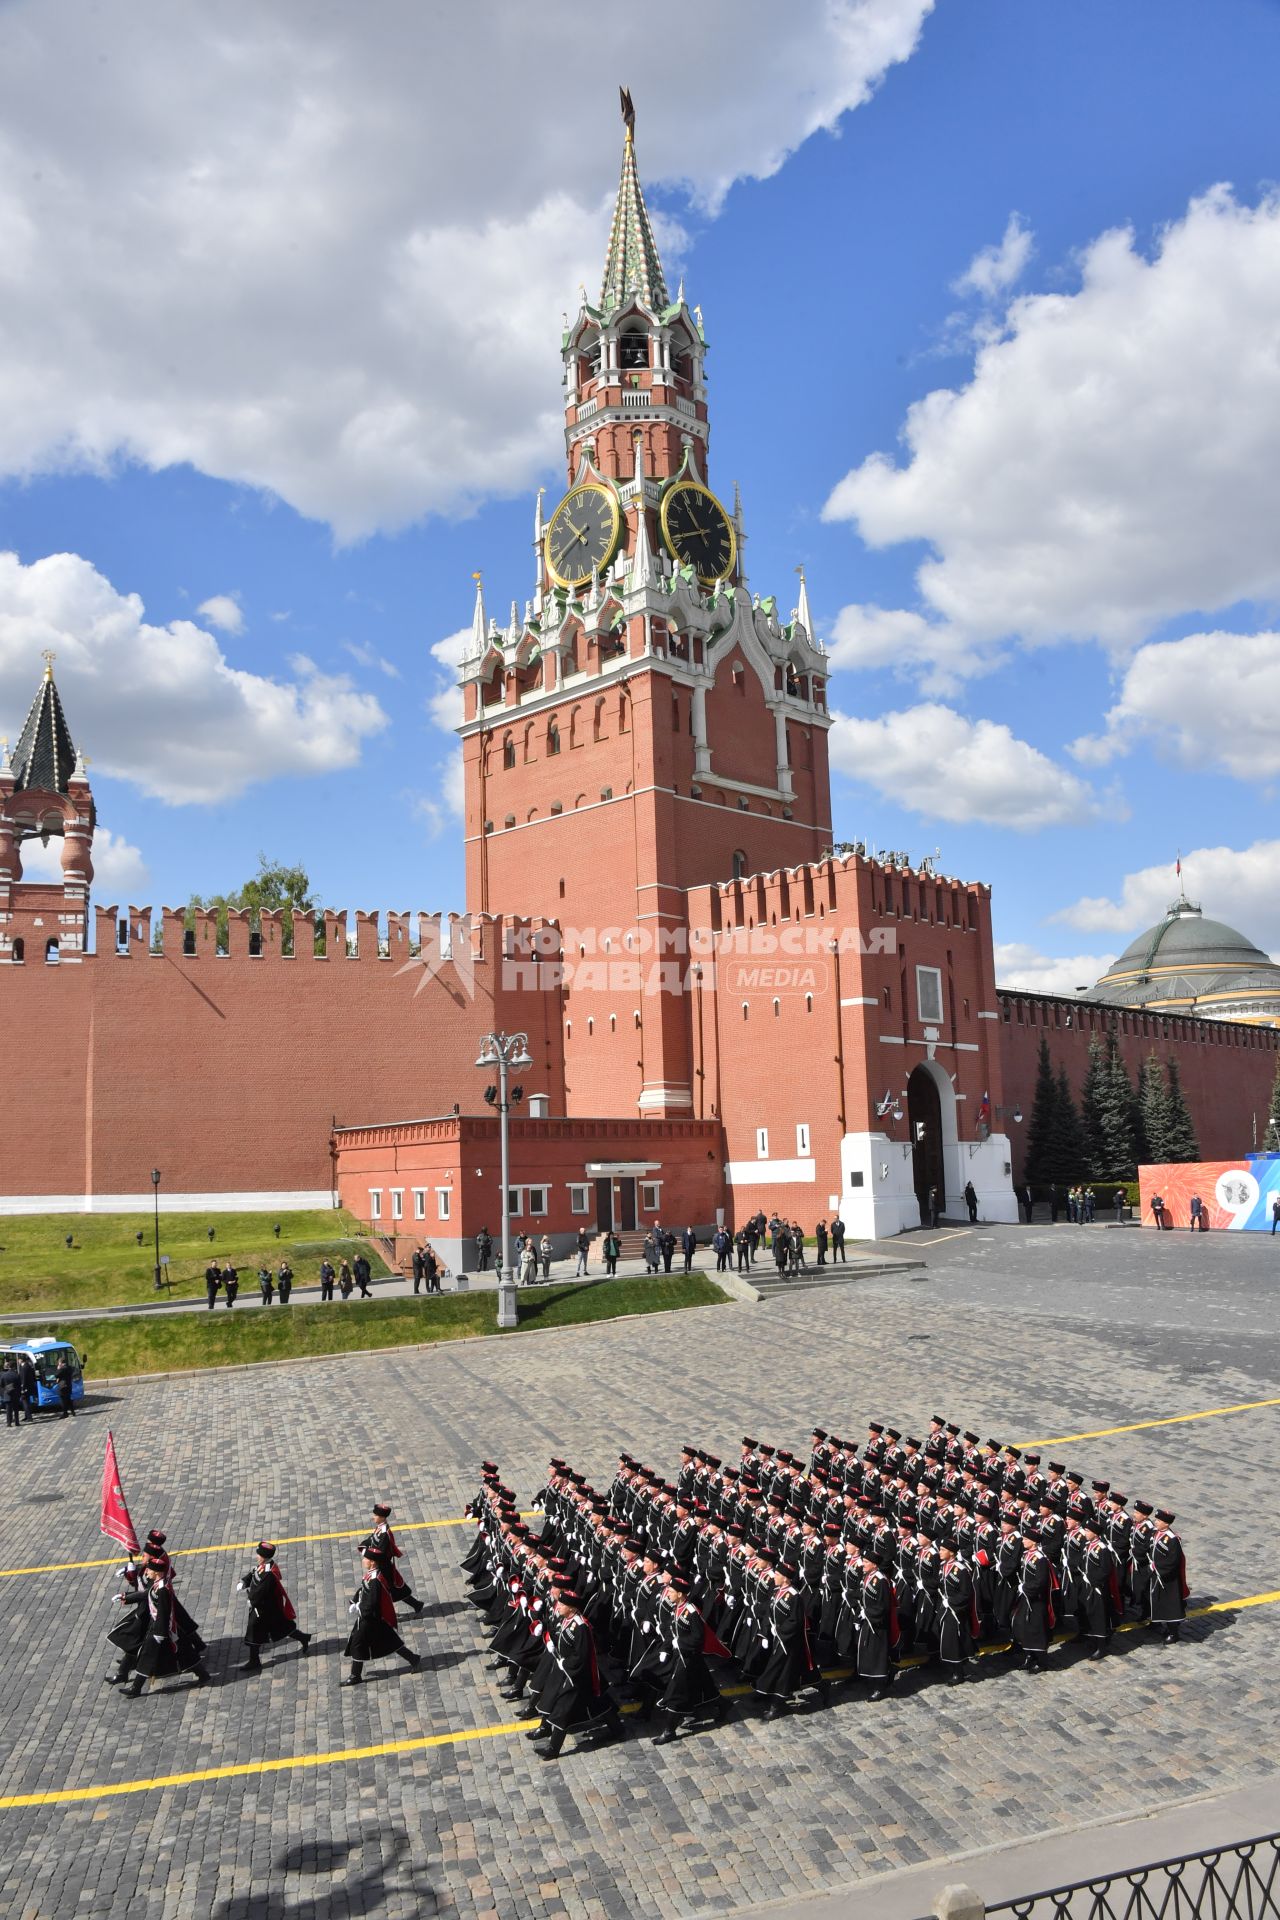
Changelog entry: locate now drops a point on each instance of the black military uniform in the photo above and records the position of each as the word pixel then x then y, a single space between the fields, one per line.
pixel 375 1633
pixel 271 1614
pixel 381 1543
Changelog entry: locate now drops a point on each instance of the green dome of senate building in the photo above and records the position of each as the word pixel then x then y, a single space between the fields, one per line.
pixel 1187 964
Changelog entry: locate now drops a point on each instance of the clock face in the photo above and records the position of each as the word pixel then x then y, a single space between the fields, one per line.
pixel 583 535
pixel 698 531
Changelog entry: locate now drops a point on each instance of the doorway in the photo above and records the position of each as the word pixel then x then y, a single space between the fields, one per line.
pixel 616 1204
pixel 924 1116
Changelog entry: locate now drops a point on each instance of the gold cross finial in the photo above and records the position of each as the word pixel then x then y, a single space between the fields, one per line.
pixel 48 656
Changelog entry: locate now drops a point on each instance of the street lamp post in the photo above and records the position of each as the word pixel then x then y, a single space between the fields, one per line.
pixel 504 1051
pixel 155 1182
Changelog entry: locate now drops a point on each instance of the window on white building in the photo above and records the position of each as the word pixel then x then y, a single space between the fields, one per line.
pixel 802 1142
pixel 929 995
pixel 762 1143
pixel 537 1201
pixel 650 1196
pixel 515 1199
pixel 419 1203
pixel 397 1203
pixel 444 1202
pixel 579 1200
pixel 375 1203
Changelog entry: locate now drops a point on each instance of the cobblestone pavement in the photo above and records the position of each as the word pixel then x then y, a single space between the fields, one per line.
pixel 1027 1334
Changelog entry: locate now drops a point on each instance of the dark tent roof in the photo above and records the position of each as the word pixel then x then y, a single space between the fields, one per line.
pixel 45 757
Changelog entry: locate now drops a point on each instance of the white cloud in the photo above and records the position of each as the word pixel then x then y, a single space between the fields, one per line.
pixel 162 707
pixel 995 269
pixel 324 250
pixel 444 703
pixel 1214 698
pixel 223 610
pixel 937 762
pixel 1233 884
pixel 1020 965
pixel 869 637
pixel 1115 458
pixel 368 656
pixel 119 870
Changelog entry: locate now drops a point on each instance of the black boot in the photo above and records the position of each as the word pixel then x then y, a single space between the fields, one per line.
pixel 203 1677
pixel 253 1664
pixel 412 1660
pixel 419 1606
pixel 541 1732
pixel 135 1686
pixel 356 1674
pixel 552 1749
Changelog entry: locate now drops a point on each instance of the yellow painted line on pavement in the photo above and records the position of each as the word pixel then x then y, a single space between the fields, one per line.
pixel 239 1546
pixel 1140 1426
pixel 339 1756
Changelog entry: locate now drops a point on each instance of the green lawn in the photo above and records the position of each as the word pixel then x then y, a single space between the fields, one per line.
pixel 105 1266
pixel 169 1343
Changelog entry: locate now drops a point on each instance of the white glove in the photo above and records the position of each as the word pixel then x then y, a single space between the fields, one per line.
pixel 661 1657
pixel 242 1586
pixel 158 1638
pixel 764 1643
pixel 354 1607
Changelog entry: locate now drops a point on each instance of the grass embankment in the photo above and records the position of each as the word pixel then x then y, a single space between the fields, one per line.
pixel 173 1343
pixel 105 1266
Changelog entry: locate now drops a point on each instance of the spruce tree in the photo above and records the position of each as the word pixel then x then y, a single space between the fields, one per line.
pixel 1153 1106
pixel 1116 1113
pixel 1271 1138
pixel 1181 1141
pixel 1068 1134
pixel 1040 1129
pixel 1092 1095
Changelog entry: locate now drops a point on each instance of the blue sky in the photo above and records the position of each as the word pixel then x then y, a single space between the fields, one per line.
pixel 279 340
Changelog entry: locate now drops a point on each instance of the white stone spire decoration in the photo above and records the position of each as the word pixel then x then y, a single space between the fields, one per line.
pixel 539 533
pixel 740 535
pixel 802 611
pixel 642 571
pixel 478 622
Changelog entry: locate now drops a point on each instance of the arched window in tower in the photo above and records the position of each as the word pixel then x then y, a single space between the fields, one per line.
pixel 528 743
pixel 633 349
pixel 508 752
pixel 739 864
pixel 51 950
pixel 681 363
pixel 624 721
pixel 589 363
pixel 19 951
pixel 575 727
pixel 553 738
pixel 597 721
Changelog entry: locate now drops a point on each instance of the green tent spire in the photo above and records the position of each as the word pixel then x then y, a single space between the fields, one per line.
pixel 631 264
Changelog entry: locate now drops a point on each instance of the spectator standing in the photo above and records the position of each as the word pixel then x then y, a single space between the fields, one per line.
pixel 415 1267
pixel 1090 1206
pixel 528 1269
pixel 66 1380
pixel 346 1285
pixel 651 1251
pixel 1119 1204
pixel 1275 1215
pixel 743 1244
pixel 837 1239
pixel 544 1256
pixel 584 1248
pixel 284 1282
pixel 266 1285
pixel 667 1242
pixel 30 1388
pixel 820 1235
pixel 363 1273
pixel 327 1278
pixel 720 1245
pixel 484 1250
pixel 231 1282
pixel 431 1268
pixel 212 1282
pixel 612 1249
pixel 971 1201
pixel 1196 1224
pixel 688 1247
pixel 11 1392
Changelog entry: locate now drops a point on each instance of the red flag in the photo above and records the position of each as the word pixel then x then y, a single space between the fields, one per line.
pixel 115 1522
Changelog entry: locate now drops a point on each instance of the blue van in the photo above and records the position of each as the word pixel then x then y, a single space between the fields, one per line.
pixel 44 1356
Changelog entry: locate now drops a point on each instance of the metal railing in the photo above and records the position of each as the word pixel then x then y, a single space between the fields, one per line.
pixel 1224 1883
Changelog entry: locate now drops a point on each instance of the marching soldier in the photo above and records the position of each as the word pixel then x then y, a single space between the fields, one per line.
pixel 1169 1587
pixel 1033 1613
pixel 375 1633
pixel 271 1614
pixel 171 1642
pixel 381 1543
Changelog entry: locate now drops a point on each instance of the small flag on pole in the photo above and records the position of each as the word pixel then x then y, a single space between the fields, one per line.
pixel 115 1522
pixel 984 1111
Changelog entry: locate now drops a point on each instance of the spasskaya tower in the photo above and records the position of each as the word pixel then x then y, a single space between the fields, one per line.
pixel 647 725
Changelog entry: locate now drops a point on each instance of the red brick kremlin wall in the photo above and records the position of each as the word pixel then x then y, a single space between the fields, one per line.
pixel 227 1071
pixel 1227 1069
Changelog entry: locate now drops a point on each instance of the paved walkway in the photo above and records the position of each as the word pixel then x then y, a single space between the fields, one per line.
pixel 393 1287
pixel 415 1795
